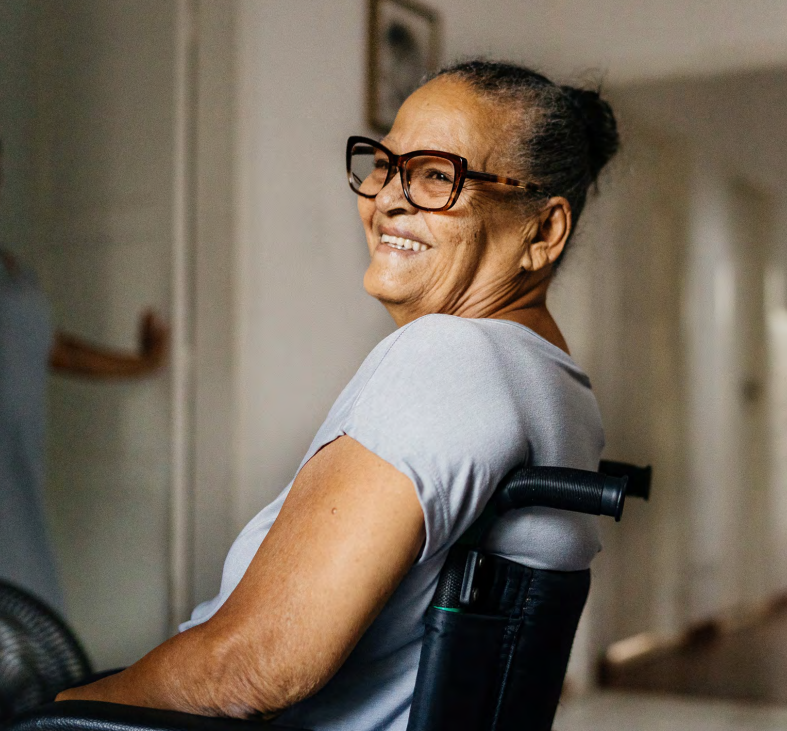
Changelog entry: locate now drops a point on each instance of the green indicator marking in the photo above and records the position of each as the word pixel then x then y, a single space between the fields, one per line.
pixel 447 609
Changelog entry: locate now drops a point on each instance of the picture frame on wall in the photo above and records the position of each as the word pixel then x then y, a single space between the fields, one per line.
pixel 403 46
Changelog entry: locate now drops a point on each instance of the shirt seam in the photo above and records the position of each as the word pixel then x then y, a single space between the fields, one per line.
pixel 350 422
pixel 442 498
pixel 439 487
pixel 519 326
pixel 560 355
pixel 377 367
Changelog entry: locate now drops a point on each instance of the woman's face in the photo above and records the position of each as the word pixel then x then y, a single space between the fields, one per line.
pixel 470 256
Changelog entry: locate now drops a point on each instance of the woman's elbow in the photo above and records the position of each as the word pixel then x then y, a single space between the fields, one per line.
pixel 250 677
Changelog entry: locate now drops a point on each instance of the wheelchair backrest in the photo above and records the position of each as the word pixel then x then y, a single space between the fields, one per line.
pixel 498 634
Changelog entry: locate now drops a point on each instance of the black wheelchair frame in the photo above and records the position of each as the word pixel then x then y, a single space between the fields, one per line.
pixel 497 637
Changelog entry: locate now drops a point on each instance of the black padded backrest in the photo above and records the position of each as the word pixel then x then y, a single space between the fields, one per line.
pixel 500 666
pixel 498 634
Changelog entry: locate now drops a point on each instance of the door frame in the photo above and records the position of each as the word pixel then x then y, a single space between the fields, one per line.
pixel 203 307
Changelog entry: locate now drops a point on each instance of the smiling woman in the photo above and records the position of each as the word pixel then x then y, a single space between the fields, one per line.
pixel 467 205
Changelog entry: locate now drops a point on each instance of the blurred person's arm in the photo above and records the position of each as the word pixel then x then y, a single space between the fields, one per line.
pixel 9 262
pixel 72 355
pixel 348 532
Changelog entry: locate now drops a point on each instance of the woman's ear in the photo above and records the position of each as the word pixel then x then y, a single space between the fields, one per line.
pixel 554 227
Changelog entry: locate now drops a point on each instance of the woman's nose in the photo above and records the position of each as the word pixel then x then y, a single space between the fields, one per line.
pixel 392 198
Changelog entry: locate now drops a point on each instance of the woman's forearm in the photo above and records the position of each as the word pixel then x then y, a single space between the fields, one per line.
pixel 185 673
pixel 150 681
pixel 209 671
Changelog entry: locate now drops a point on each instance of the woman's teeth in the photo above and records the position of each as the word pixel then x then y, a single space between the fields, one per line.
pixel 399 243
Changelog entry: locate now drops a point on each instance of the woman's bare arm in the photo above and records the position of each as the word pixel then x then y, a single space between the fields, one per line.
pixel 72 355
pixel 347 534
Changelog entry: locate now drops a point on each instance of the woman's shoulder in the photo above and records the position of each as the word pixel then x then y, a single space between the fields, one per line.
pixel 429 338
pixel 440 355
pixel 437 333
pixel 450 327
pixel 458 342
pixel 433 343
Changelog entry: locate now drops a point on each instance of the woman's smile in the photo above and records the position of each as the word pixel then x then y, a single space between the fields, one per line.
pixel 400 241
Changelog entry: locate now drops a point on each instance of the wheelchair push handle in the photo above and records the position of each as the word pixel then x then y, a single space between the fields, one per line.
pixel 640 478
pixel 563 488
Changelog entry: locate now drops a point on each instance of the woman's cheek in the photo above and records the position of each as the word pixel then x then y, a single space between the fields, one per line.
pixel 366 212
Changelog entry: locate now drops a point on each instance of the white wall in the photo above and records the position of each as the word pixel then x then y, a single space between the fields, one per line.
pixel 104 175
pixel 118 119
pixel 214 330
pixel 735 126
pixel 305 323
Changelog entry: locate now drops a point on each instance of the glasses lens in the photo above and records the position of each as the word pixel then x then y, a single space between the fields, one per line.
pixel 368 169
pixel 431 180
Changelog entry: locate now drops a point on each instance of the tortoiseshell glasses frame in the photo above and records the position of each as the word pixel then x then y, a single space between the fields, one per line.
pixel 399 164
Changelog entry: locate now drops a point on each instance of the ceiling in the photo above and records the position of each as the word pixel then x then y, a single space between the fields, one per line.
pixel 625 40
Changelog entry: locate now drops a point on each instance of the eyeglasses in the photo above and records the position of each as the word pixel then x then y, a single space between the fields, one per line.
pixel 431 179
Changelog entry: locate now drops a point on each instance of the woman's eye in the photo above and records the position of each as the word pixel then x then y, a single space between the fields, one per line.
pixel 439 176
pixel 380 163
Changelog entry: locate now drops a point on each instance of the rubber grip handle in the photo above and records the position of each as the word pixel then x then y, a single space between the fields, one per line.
pixel 564 488
pixel 640 478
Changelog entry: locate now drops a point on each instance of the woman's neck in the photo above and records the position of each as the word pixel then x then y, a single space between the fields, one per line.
pixel 525 304
pixel 529 308
pixel 539 320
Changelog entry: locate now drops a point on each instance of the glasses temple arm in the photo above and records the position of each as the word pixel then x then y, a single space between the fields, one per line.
pixel 501 180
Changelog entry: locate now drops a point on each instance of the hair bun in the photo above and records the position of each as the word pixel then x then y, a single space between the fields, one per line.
pixel 602 129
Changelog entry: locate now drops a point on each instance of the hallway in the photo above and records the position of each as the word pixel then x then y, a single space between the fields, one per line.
pixel 745 664
pixel 619 711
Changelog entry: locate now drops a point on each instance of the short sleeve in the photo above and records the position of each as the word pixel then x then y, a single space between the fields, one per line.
pixel 441 408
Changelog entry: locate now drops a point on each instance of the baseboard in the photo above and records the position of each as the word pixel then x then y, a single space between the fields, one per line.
pixel 649 645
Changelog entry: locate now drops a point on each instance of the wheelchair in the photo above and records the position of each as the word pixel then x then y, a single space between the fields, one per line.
pixel 497 636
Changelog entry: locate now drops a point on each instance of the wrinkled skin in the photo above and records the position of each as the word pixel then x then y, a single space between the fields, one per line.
pixel 489 255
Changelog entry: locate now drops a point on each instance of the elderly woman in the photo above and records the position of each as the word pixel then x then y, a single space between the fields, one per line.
pixel 468 205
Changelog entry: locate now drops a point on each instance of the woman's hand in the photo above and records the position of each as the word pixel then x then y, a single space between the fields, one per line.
pixel 86 692
pixel 348 532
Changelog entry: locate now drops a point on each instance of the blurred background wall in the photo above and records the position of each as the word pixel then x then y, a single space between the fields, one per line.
pixel 89 205
pixel 16 122
pixel 189 154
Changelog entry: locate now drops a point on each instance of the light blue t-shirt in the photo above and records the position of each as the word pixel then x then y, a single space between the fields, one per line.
pixel 26 557
pixel 454 404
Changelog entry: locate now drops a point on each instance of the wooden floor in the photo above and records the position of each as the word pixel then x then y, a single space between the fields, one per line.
pixel 629 711
pixel 748 664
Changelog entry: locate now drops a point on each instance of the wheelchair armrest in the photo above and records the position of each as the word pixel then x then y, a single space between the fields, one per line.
pixel 99 716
